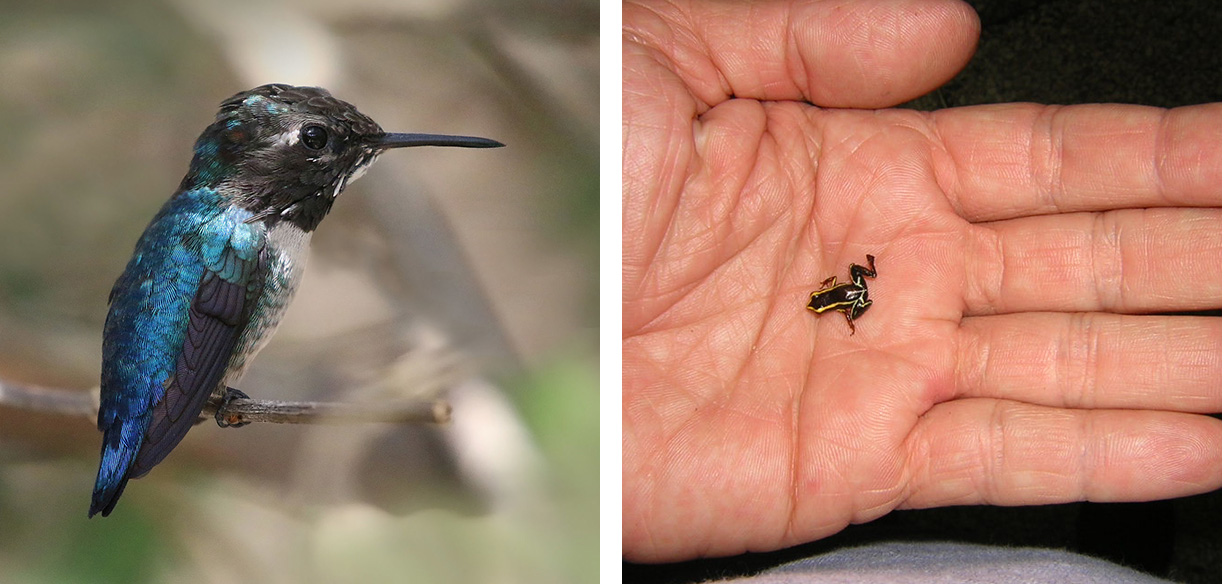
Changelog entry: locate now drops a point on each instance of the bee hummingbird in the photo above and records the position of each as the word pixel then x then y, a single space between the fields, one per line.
pixel 214 271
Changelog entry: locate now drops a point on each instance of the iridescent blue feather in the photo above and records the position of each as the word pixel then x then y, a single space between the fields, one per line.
pixel 176 314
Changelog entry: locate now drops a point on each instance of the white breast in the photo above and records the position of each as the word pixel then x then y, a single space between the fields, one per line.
pixel 289 247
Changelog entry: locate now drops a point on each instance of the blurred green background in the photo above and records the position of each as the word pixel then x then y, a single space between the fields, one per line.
pixel 469 275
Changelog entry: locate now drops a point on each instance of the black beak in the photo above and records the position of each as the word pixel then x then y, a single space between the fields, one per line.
pixel 404 140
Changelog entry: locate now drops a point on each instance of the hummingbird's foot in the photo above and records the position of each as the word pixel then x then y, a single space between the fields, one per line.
pixel 225 420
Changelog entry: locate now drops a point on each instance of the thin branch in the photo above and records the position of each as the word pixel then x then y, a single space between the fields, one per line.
pixel 239 411
pixel 242 411
pixel 49 401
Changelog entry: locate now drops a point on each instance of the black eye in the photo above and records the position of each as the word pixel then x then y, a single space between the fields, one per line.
pixel 314 137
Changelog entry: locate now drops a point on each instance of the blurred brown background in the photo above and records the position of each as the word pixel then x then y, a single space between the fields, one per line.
pixel 460 273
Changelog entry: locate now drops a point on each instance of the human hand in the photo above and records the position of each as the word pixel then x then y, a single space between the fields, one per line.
pixel 1007 359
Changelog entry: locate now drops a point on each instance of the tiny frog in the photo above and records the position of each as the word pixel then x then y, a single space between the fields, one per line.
pixel 849 298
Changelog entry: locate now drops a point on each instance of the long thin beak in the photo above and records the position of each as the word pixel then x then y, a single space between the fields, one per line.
pixel 404 140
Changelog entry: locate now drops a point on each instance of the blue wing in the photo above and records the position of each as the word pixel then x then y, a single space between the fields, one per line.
pixel 176 314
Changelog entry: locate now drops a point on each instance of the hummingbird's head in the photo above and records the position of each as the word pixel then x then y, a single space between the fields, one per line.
pixel 285 152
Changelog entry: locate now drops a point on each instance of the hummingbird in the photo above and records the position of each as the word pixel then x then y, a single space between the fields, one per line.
pixel 215 269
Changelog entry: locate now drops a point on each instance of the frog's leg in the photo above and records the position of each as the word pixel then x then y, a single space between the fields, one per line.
pixel 860 308
pixel 857 272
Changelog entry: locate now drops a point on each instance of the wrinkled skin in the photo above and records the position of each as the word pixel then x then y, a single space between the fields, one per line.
pixel 1011 356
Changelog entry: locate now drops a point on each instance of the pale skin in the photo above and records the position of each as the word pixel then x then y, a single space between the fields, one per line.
pixel 1013 355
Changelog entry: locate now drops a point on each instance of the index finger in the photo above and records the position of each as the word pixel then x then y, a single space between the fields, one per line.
pixel 1017 160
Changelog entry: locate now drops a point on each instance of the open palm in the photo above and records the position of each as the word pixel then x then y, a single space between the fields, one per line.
pixel 1006 359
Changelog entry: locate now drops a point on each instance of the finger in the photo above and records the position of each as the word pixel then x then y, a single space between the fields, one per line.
pixel 834 54
pixel 984 451
pixel 1129 261
pixel 1022 159
pixel 1092 361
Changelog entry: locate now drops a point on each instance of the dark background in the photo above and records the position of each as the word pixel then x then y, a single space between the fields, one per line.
pixel 1163 54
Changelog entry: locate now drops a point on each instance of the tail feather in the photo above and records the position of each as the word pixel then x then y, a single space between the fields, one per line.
pixel 121 442
pixel 104 499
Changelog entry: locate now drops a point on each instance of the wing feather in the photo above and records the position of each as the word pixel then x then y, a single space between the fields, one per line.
pixel 176 314
pixel 219 313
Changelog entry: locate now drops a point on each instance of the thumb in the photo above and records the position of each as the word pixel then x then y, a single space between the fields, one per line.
pixel 831 53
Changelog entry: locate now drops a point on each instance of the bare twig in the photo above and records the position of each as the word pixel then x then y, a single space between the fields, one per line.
pixel 238 411
pixel 241 411
pixel 50 401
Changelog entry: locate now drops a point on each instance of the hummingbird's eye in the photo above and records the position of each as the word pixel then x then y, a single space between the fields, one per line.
pixel 314 137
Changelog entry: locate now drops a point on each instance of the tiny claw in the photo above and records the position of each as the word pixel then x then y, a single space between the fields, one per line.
pixel 225 420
